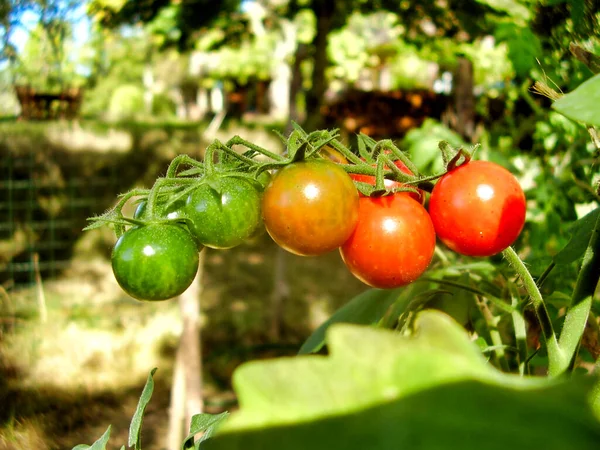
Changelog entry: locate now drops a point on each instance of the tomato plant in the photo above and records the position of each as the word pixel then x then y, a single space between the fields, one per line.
pixel 393 242
pixel 223 212
pixel 174 211
pixel 332 154
pixel 310 207
pixel 478 208
pixel 155 262
pixel 390 184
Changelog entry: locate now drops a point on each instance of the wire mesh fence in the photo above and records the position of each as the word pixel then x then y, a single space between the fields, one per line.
pixel 43 208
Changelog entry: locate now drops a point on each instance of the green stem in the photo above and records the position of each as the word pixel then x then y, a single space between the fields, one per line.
pixel 581 301
pixel 496 338
pixel 237 140
pixel 388 144
pixel 379 176
pixel 495 300
pixel 337 145
pixel 555 354
pixel 209 154
pixel 520 329
pixel 442 256
pixel 526 95
pixel 158 185
pixel 545 274
pixel 179 160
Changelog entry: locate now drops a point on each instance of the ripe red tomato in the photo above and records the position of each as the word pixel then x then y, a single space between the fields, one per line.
pixel 310 207
pixel 393 242
pixel 478 209
pixel 389 184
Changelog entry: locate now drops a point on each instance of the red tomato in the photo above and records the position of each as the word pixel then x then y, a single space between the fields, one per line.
pixel 478 209
pixel 389 184
pixel 310 207
pixel 393 242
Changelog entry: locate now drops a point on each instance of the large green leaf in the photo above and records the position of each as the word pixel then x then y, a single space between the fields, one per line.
pixel 380 390
pixel 466 415
pixel 582 104
pixel 581 232
pixel 364 309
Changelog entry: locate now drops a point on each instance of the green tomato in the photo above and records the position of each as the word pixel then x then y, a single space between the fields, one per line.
pixel 175 211
pixel 224 212
pixel 156 261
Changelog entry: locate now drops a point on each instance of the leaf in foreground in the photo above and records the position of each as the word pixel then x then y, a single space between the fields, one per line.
pixel 380 390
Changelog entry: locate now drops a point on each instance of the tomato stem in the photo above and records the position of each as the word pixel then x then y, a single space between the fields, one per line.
pixel 491 322
pixel 461 154
pixel 555 354
pixel 495 300
pixel 520 330
pixel 387 144
pixel 237 140
pixel 379 175
pixel 178 161
pixel 337 145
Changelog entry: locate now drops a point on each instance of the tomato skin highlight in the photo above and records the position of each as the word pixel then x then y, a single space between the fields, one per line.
pixel 175 211
pixel 310 207
pixel 478 208
pixel 223 213
pixel 390 184
pixel 393 242
pixel 155 261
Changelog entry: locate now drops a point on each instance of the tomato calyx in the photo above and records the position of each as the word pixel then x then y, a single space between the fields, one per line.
pixel 455 157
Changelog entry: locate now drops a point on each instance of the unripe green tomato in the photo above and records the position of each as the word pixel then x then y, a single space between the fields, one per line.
pixel 174 211
pixel 223 212
pixel 156 261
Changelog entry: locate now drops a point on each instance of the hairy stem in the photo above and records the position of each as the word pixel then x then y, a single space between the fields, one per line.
pixel 520 330
pixel 237 140
pixel 178 161
pixel 555 354
pixel 495 300
pixel 496 338
pixel 387 144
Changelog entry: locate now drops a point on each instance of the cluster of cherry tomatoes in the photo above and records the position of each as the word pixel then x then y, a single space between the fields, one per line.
pixel 311 207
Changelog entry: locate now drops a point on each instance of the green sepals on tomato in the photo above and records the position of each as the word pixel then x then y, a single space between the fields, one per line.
pixel 328 152
pixel 173 211
pixel 157 261
pixel 478 208
pixel 390 184
pixel 224 211
pixel 310 207
pixel 393 242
